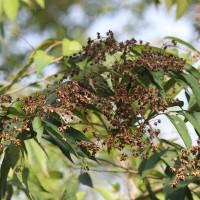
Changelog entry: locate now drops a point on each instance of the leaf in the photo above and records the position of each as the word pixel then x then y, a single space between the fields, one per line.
pixel 194 119
pixel 13 112
pixel 105 193
pixel 85 179
pixel 169 156
pixel 80 115
pixel 158 77
pixel 37 156
pixel 20 179
pixel 56 175
pixel 181 190
pixel 76 135
pixel 193 84
pixel 81 195
pixel 70 47
pixel 181 41
pixel 41 60
pixel 10 160
pixel 41 3
pixel 182 129
pixel 1 10
pixel 147 165
pixel 13 155
pixel 171 143
pixel 11 8
pixel 51 138
pixel 70 143
pixel 20 175
pixel 169 4
pixel 182 6
pixel 38 127
pixel 71 191
pixel 192 104
pixel 192 70
pixel 169 85
pixel 5 168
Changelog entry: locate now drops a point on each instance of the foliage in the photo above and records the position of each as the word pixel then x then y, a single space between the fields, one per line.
pixel 101 114
pixel 107 96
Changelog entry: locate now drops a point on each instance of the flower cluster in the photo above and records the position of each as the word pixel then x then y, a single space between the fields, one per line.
pixel 189 164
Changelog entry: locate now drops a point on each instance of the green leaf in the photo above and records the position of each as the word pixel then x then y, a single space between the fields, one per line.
pixel 194 119
pixel 20 179
pixel 182 7
pixel 70 192
pixel 5 168
pixel 105 193
pixel 192 104
pixel 36 156
pixel 70 143
pixel 169 156
pixel 13 155
pixel 38 127
pixel 41 60
pixel 85 179
pixel 80 115
pixel 181 41
pixel 192 70
pixel 147 165
pixel 171 143
pixel 41 3
pixel 182 129
pixel 51 138
pixel 1 10
pixel 81 195
pixel 76 135
pixel 57 135
pixel 56 175
pixel 169 4
pixel 13 112
pixel 158 78
pixel 193 84
pixel 70 47
pixel 11 8
pixel 181 190
pixel 10 160
pixel 169 87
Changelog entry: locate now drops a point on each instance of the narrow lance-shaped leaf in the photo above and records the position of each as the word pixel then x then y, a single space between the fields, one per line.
pixel 147 165
pixel 182 129
pixel 20 176
pixel 192 70
pixel 181 41
pixel 194 119
pixel 38 127
pixel 193 84
pixel 72 185
pixel 69 143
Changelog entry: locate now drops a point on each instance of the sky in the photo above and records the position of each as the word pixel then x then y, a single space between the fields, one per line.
pixel 155 25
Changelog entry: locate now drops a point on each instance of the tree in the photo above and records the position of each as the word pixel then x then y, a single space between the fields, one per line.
pixel 102 106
